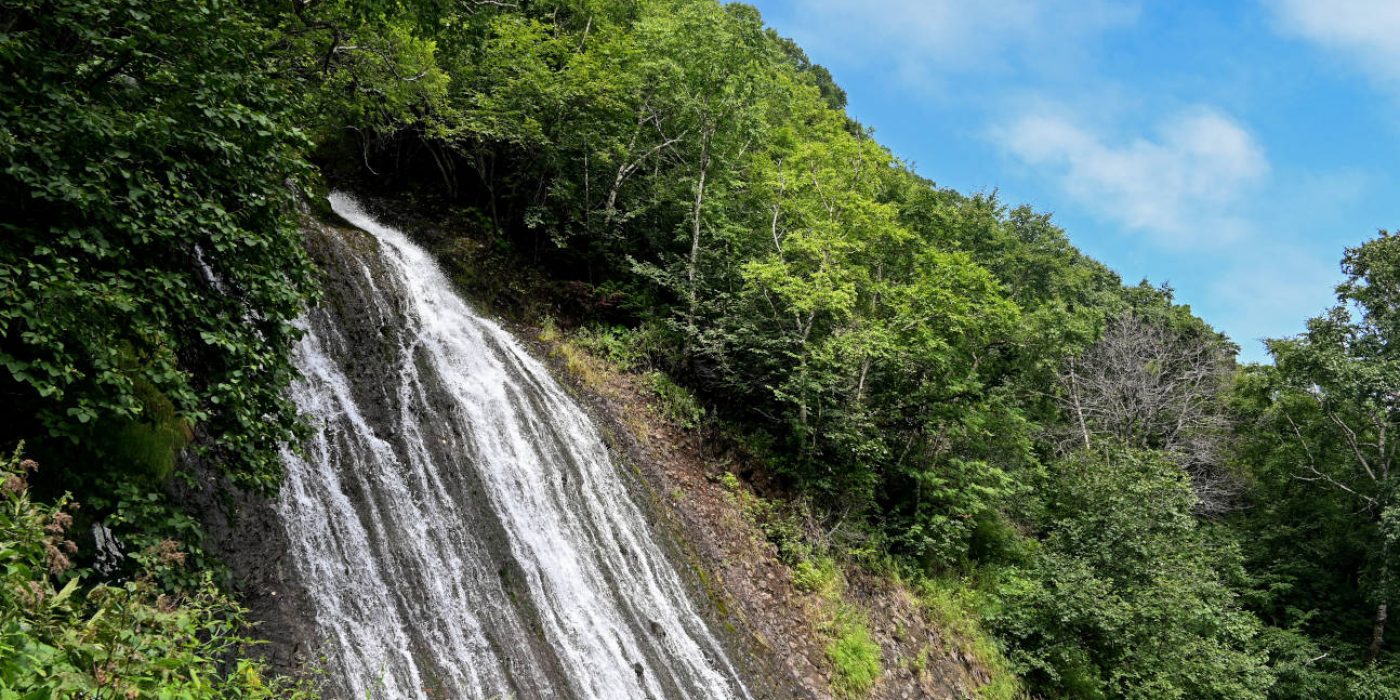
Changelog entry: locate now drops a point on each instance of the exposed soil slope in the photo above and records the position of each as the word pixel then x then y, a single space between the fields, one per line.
pixel 788 629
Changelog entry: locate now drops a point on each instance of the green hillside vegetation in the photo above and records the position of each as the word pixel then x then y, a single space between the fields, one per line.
pixel 1079 462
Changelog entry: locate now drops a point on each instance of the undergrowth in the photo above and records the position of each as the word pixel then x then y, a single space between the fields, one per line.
pixel 577 361
pixel 590 352
pixel 65 635
pixel 855 658
pixel 957 608
pixel 675 402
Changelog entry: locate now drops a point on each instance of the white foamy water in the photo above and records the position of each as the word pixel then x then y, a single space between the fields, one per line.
pixel 455 515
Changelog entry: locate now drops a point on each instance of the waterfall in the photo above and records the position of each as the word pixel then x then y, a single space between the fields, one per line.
pixel 455 515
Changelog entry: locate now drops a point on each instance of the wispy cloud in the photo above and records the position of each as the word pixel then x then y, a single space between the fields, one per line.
pixel 1367 32
pixel 925 40
pixel 1143 126
pixel 1183 182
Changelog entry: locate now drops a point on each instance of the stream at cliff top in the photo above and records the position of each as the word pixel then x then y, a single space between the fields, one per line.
pixel 455 515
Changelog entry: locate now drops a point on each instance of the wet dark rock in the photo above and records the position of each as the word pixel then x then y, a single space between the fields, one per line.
pixel 363 330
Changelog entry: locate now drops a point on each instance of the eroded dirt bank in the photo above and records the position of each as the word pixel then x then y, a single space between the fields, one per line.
pixel 786 630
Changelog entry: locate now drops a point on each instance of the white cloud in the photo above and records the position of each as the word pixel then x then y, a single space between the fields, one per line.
pixel 1183 184
pixel 1366 31
pixel 924 39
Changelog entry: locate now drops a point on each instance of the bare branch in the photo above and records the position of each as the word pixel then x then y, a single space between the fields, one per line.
pixel 1147 385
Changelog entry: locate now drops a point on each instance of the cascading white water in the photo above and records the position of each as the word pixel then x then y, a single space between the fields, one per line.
pixel 455 517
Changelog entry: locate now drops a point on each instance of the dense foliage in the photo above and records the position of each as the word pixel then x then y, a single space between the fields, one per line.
pixel 150 272
pixel 62 636
pixel 978 404
pixel 1127 599
pixel 1317 433
pixel 149 268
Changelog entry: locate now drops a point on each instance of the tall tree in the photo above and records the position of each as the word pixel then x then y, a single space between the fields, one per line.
pixel 1337 409
pixel 1148 384
pixel 1124 598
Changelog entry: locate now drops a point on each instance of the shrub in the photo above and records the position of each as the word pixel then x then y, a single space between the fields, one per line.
pixel 675 402
pixel 616 345
pixel 855 660
pixel 1124 598
pixel 814 575
pixel 148 243
pixel 63 638
pixel 781 523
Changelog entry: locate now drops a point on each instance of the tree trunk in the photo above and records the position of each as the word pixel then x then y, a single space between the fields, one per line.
pixel 1078 409
pixel 622 171
pixel 692 268
pixel 1382 608
pixel 1377 633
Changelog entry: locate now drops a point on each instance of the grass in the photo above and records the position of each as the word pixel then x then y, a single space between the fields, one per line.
pixel 815 575
pixel 578 362
pixel 549 331
pixel 592 353
pixel 957 608
pixel 855 657
pixel 621 348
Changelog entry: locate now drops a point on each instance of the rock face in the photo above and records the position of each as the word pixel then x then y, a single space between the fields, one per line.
pixel 455 527
pixel 397 591
pixel 244 532
pixel 781 629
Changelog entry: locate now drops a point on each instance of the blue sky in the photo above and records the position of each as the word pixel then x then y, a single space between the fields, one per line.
pixel 1232 149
